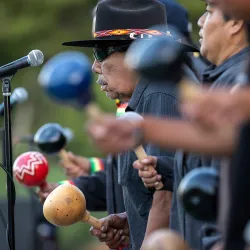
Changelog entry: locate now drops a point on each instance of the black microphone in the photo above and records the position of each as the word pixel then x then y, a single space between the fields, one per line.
pixel 19 95
pixel 33 59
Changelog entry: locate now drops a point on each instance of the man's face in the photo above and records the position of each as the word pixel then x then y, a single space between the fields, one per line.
pixel 114 77
pixel 213 33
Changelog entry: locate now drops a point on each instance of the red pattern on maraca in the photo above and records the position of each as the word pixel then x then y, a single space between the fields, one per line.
pixel 31 168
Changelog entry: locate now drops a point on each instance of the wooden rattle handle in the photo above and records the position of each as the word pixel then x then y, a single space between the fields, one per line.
pixel 189 91
pixel 64 156
pixel 94 222
pixel 43 185
pixel 93 111
pixel 141 155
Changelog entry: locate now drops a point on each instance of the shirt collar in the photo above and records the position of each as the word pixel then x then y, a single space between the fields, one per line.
pixel 137 94
pixel 212 72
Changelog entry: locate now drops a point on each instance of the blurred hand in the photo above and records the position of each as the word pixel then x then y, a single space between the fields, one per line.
pixel 75 166
pixel 218 246
pixel 219 108
pixel 114 231
pixel 113 136
pixel 44 193
pixel 150 178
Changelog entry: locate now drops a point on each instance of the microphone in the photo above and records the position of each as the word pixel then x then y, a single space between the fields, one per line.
pixel 33 59
pixel 19 95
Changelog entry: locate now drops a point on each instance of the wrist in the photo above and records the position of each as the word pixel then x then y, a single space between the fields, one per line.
pixel 96 165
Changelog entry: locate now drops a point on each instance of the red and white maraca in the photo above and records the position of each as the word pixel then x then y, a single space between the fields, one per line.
pixel 31 169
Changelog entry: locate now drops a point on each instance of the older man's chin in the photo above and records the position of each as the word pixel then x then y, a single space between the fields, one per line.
pixel 114 96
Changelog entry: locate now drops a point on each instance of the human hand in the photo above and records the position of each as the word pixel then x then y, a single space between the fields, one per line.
pixel 150 178
pixel 111 135
pixel 114 231
pixel 44 192
pixel 75 166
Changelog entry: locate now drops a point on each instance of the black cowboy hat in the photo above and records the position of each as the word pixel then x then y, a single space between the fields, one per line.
pixel 120 22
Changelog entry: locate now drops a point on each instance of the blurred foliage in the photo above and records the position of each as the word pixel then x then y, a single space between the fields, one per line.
pixel 44 25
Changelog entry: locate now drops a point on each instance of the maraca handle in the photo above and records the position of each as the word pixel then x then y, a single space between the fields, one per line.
pixel 93 111
pixel 141 155
pixel 44 185
pixel 91 220
pixel 189 91
pixel 94 222
pixel 63 154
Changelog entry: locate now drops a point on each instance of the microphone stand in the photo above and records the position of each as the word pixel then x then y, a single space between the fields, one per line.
pixel 6 91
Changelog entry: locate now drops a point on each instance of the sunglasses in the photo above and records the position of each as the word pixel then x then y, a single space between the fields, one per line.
pixel 102 54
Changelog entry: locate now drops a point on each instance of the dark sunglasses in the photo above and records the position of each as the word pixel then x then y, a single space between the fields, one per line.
pixel 102 54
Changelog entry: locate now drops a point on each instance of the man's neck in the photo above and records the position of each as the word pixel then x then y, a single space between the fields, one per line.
pixel 229 51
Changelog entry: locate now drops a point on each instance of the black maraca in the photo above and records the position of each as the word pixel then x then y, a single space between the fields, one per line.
pixel 164 58
pixel 198 192
pixel 50 139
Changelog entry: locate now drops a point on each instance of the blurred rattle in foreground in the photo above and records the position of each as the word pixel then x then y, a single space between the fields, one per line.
pixel 165 239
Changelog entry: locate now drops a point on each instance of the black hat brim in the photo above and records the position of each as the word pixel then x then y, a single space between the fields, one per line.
pixel 104 43
pixel 98 43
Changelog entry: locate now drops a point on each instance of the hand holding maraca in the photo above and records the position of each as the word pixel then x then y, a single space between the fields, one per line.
pixel 66 205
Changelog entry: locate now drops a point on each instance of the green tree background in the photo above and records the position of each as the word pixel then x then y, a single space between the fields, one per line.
pixel 44 25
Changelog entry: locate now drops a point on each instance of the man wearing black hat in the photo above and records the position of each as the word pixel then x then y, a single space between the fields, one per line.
pixel 118 23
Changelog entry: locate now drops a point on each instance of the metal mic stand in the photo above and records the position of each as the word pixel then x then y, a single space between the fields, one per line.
pixel 6 90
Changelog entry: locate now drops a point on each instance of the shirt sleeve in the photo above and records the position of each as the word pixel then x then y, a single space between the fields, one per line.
pixel 96 164
pixel 162 104
pixel 164 167
pixel 94 190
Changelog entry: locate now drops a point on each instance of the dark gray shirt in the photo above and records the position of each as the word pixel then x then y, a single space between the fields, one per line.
pixel 158 99
pixel 223 75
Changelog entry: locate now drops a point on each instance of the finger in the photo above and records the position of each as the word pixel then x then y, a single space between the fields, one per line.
pixel 112 221
pixel 151 185
pixel 69 165
pixel 95 232
pixel 138 165
pixel 43 195
pixel 97 132
pixel 124 241
pixel 116 241
pixel 150 160
pixel 73 171
pixel 109 236
pixel 150 180
pixel 147 174
pixel 70 155
pixel 159 177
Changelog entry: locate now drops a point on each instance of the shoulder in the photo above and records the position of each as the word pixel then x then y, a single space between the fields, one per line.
pixel 161 89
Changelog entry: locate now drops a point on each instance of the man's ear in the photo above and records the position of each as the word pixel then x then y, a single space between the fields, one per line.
pixel 236 26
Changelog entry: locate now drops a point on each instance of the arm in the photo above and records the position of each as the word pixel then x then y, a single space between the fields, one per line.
pixel 159 213
pixel 160 210
pixel 186 135
pixel 94 189
pixel 164 167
